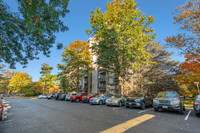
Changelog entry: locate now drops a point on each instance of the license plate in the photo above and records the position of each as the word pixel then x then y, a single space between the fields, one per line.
pixel 164 107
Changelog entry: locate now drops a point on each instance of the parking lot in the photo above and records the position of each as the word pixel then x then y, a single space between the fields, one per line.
pixel 42 115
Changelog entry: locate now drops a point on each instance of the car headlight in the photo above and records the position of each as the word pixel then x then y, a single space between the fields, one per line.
pixel 176 101
pixel 156 101
pixel 137 100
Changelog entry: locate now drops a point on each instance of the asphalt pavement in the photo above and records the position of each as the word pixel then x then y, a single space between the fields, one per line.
pixel 51 116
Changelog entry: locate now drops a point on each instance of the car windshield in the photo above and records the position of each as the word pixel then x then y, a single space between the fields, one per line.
pixel 79 94
pixel 137 95
pixel 198 97
pixel 167 94
pixel 116 96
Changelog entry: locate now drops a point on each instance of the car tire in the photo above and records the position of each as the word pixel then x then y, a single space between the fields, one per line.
pixel 156 109
pixel 120 104
pixel 77 100
pixel 197 114
pixel 100 102
pixel 143 106
pixel 181 111
pixel 127 107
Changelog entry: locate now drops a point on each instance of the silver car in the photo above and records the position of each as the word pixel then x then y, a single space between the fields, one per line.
pixel 116 100
pixel 169 100
pixel 100 99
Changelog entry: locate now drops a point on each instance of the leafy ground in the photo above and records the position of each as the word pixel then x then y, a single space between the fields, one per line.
pixel 188 102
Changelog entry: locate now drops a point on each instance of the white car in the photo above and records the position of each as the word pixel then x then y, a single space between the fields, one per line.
pixel 42 96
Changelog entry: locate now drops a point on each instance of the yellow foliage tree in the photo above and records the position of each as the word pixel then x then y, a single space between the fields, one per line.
pixel 18 81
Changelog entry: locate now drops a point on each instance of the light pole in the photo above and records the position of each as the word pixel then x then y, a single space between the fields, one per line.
pixel 197 83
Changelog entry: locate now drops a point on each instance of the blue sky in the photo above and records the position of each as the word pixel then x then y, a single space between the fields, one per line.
pixel 78 21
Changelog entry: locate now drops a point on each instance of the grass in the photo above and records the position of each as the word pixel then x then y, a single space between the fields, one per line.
pixel 188 102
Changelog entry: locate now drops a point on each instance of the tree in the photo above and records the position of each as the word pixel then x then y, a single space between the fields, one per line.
pixel 5 79
pixel 121 34
pixel 47 78
pixel 18 81
pixel 157 76
pixel 33 88
pixel 31 30
pixel 77 61
pixel 190 70
pixel 188 19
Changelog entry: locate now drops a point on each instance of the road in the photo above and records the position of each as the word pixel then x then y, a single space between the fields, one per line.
pixel 51 116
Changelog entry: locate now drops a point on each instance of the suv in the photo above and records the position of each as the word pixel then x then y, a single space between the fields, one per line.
pixel 62 97
pixel 86 99
pixel 169 100
pixel 50 96
pixel 196 105
pixel 140 100
pixel 78 97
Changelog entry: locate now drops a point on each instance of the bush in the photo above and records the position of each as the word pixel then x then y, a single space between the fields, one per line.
pixel 28 94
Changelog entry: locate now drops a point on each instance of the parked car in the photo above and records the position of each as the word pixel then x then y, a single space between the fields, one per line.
pixel 1 96
pixel 116 100
pixel 86 99
pixel 57 95
pixel 50 96
pixel 1 110
pixel 43 96
pixel 67 97
pixel 196 105
pixel 62 97
pixel 6 109
pixel 100 99
pixel 169 100
pixel 141 100
pixel 78 97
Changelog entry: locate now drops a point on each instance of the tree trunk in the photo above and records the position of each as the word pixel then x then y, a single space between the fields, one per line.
pixel 44 91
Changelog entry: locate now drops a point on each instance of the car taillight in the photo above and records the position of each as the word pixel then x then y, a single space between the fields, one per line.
pixel 197 103
pixel 5 106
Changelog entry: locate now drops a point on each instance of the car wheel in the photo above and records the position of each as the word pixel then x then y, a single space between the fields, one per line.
pixel 127 106
pixel 77 100
pixel 156 109
pixel 120 104
pixel 143 106
pixel 197 114
pixel 100 102
pixel 181 110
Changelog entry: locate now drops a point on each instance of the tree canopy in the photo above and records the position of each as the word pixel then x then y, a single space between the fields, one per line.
pixel 188 20
pixel 77 61
pixel 26 33
pixel 121 34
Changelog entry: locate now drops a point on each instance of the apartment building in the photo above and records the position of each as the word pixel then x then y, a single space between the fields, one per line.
pixel 97 81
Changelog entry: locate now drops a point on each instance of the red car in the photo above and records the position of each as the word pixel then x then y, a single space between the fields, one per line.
pixel 78 97
pixel 86 99
pixel 1 110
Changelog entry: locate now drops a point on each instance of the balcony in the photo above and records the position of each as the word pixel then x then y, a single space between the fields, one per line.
pixel 102 79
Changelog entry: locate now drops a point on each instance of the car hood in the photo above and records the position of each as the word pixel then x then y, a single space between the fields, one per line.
pixel 134 97
pixel 114 99
pixel 164 98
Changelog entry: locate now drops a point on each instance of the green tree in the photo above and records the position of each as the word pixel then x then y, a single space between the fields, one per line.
pixel 77 61
pixel 188 20
pixel 121 34
pixel 31 30
pixel 18 81
pixel 47 78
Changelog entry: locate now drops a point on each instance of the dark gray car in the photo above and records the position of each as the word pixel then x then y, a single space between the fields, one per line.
pixel 141 100
pixel 169 100
pixel 197 105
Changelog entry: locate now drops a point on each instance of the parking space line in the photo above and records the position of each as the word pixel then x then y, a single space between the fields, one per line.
pixel 128 124
pixel 186 118
pixel 144 111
